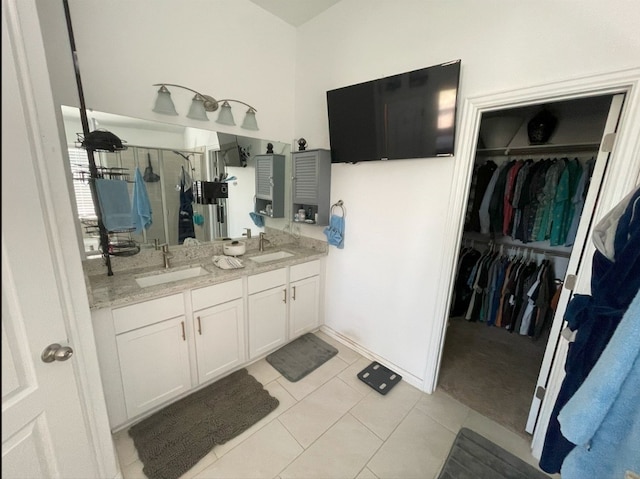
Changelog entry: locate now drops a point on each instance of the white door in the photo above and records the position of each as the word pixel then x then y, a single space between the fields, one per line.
pixel 578 259
pixel 44 433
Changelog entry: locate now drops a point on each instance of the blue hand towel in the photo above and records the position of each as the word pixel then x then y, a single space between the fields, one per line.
pixel 335 231
pixel 141 209
pixel 115 205
pixel 257 219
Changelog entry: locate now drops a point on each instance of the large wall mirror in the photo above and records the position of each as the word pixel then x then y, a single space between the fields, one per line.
pixel 167 156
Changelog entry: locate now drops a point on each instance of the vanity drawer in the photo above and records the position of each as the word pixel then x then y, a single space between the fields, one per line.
pixel 270 279
pixel 139 315
pixel 304 270
pixel 216 294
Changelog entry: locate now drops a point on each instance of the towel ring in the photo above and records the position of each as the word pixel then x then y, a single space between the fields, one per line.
pixel 340 205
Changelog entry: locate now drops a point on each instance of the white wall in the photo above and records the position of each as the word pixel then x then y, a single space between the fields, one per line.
pixel 226 49
pixel 382 288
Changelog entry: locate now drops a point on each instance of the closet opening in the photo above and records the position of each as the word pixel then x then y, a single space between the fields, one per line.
pixel 536 177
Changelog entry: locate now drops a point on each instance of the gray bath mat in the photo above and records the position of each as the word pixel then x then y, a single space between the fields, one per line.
pixel 173 440
pixel 473 456
pixel 301 356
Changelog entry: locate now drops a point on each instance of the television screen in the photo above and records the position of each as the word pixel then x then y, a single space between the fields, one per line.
pixel 410 115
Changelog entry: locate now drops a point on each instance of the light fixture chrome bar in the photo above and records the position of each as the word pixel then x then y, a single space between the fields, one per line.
pixel 238 101
pixel 210 103
pixel 201 104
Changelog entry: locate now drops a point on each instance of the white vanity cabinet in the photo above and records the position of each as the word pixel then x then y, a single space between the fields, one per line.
pixel 156 351
pixel 304 294
pixel 267 303
pixel 153 352
pixel 218 325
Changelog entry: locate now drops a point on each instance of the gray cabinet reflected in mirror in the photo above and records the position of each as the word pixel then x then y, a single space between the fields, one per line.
pixel 167 157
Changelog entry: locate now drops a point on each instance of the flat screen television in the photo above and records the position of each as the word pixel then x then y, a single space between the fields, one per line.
pixel 410 115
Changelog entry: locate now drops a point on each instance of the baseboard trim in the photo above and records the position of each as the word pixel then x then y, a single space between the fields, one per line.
pixel 406 376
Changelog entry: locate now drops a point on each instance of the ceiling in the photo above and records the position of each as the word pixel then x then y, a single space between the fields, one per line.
pixel 295 12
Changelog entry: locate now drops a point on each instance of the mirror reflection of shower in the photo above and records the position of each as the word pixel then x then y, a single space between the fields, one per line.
pixel 154 144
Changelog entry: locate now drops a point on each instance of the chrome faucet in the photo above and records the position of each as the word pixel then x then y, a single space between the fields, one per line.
pixel 166 255
pixel 262 241
pixel 248 233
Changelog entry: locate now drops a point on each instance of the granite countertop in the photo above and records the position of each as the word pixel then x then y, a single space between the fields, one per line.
pixel 121 288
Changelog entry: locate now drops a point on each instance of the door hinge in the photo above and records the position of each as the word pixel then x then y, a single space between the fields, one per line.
pixel 607 142
pixel 540 392
pixel 570 282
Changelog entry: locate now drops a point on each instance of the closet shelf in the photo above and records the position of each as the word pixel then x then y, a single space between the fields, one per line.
pixel 535 247
pixel 539 149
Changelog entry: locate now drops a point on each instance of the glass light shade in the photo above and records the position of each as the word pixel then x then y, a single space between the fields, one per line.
pixel 225 117
pixel 250 122
pixel 197 111
pixel 164 104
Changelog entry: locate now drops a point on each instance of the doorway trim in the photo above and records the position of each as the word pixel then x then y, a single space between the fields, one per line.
pixel 622 175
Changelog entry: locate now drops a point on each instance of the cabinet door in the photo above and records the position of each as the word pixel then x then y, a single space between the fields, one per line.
pixel 311 185
pixel 303 306
pixel 267 321
pixel 219 333
pixel 154 363
pixel 305 178
pixel 270 185
pixel 264 177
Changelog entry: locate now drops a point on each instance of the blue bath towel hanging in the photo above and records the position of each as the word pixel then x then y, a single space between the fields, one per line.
pixel 335 231
pixel 257 219
pixel 115 205
pixel 141 207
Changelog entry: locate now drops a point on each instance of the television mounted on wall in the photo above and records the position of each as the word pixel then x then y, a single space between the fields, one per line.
pixel 409 115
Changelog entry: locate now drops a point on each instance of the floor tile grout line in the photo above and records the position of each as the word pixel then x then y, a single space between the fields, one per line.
pixel 382 443
pixel 304 449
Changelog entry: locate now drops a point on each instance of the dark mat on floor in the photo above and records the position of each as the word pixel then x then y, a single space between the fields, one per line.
pixel 473 456
pixel 301 356
pixel 173 440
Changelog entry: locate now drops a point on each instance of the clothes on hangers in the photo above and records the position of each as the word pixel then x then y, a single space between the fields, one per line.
pixel 578 201
pixel 461 291
pixel 480 181
pixel 529 200
pixel 185 213
pixel 508 292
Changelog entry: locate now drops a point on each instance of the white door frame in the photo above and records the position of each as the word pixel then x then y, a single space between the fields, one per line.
pixel 46 135
pixel 621 176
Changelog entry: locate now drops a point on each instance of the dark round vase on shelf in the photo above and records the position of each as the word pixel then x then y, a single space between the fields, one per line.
pixel 541 127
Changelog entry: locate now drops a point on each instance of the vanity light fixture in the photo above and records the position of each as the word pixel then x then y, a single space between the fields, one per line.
pixel 201 104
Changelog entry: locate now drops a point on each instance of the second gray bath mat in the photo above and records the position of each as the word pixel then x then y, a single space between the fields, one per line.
pixel 301 356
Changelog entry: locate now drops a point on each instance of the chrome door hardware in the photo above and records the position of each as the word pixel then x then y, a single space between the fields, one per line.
pixel 55 352
pixel 570 282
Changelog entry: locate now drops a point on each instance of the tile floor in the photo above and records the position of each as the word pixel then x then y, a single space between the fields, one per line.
pixel 331 425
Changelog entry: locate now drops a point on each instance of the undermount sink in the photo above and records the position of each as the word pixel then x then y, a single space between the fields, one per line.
pixel 265 258
pixel 168 277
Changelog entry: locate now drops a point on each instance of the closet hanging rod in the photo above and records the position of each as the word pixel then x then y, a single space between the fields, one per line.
pixel 538 150
pixel 549 252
